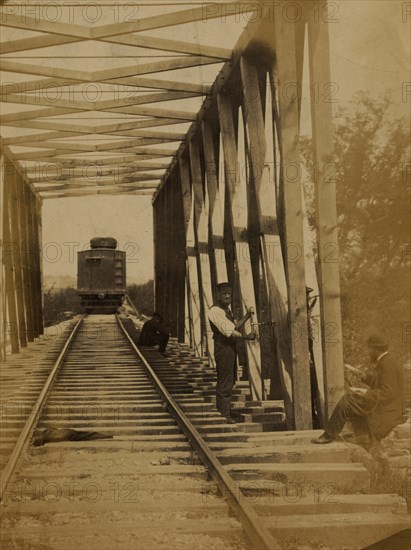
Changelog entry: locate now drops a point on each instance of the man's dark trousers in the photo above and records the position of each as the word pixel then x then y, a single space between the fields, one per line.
pixel 225 357
pixel 350 407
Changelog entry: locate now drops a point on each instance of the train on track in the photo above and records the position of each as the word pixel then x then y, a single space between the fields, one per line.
pixel 101 276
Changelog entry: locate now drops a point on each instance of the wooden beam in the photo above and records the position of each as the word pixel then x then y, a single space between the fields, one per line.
pixel 36 24
pixel 3 302
pixel 326 212
pixel 215 206
pixel 192 266
pixel 100 129
pixel 122 83
pixel 236 187
pixel 11 320
pixel 153 112
pixel 14 182
pixel 176 46
pixel 201 234
pixel 260 134
pixel 63 174
pixel 285 41
pixel 35 42
pixel 169 64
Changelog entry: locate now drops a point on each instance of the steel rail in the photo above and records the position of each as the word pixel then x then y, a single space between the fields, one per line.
pixel 34 416
pixel 251 522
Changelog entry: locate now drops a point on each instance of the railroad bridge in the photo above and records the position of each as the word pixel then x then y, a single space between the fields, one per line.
pixel 226 181
pixel 211 132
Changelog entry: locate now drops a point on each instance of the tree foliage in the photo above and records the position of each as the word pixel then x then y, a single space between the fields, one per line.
pixel 59 304
pixel 372 174
pixel 142 297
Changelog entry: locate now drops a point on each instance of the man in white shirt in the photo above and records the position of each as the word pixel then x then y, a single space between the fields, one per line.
pixel 225 334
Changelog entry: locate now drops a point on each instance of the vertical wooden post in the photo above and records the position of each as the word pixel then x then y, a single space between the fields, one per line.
pixel 285 42
pixel 192 267
pixel 236 187
pixel 261 148
pixel 201 233
pixel 327 232
pixel 3 304
pixel 215 204
pixel 25 251
pixel 16 240
pixel 9 253
pixel 33 252
pixel 38 261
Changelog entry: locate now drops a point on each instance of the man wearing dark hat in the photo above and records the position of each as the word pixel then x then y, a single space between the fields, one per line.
pixel 153 333
pixel 378 408
pixel 225 335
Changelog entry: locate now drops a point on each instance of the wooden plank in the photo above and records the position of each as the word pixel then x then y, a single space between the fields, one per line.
pixel 154 112
pixel 215 203
pixel 161 84
pixel 294 250
pixel 201 233
pixel 66 174
pixel 192 267
pixel 14 178
pixel 11 320
pixel 310 244
pixel 326 214
pixel 91 192
pixel 37 276
pixel 169 64
pixel 165 44
pixel 100 129
pixel 237 188
pixel 25 249
pixel 260 134
pixel 102 105
pixel 32 252
pixel 35 42
pixel 123 84
pixel 38 113
pixel 43 70
pixel 3 303
pixel 36 24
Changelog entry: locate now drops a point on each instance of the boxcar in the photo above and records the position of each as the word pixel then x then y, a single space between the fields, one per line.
pixel 101 276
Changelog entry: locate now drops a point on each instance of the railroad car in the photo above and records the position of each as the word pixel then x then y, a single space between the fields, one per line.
pixel 101 276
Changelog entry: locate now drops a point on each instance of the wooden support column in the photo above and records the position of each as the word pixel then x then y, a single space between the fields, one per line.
pixel 285 48
pixel 38 262
pixel 11 318
pixel 192 268
pixel 215 205
pixel 326 211
pixel 25 255
pixel 3 310
pixel 16 244
pixel 201 233
pixel 261 151
pixel 234 158
pixel 33 253
pixel 180 252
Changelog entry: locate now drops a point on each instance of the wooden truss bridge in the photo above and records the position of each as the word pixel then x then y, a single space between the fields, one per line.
pixel 212 132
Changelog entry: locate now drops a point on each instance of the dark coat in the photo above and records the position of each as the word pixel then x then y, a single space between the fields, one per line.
pixel 385 396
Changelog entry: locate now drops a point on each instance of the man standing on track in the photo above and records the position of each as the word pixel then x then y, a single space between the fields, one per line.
pixel 226 333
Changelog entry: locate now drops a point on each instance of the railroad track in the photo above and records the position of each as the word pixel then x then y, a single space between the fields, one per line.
pixel 173 474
